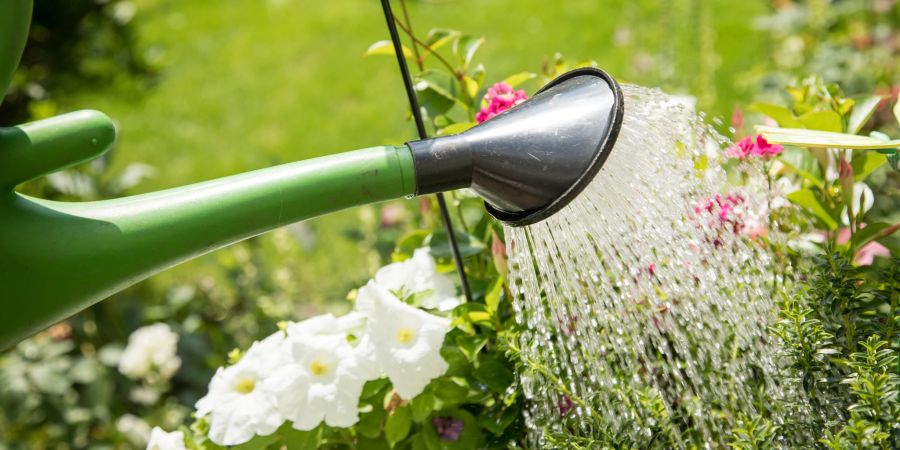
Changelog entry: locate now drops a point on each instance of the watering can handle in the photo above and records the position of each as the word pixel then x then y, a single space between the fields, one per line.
pixel 34 149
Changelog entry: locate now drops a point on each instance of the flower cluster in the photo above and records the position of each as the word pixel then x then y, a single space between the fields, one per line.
pixel 758 147
pixel 151 349
pixel 499 98
pixel 727 210
pixel 314 371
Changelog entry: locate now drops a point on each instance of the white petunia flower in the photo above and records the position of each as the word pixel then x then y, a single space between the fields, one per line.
pixel 150 347
pixel 418 276
pixel 327 324
pixel 134 428
pixel 161 440
pixel 324 381
pixel 237 404
pixel 407 341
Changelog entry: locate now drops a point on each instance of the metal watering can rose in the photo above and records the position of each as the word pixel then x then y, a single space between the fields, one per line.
pixel 57 258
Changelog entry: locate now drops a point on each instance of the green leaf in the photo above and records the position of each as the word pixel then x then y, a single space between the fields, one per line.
pixel 365 443
pixel 471 86
pixel 373 387
pixel 471 345
pixel 466 47
pixel 408 244
pixel 449 392
pixel 492 298
pixel 421 406
pixel 807 199
pixel 397 426
pixel 519 78
pixel 804 164
pixel 468 245
pixel 780 114
pixel 822 139
pixel 495 375
pixel 387 48
pixel 369 424
pixel 865 163
pixel 862 111
pixel 438 37
pixel 823 121
pixel 302 440
pixel 870 233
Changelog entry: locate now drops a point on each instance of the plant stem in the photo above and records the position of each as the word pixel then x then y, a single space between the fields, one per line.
pixel 415 46
pixel 437 55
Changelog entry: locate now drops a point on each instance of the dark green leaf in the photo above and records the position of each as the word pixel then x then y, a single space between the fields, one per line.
pixel 495 375
pixel 397 426
pixel 468 245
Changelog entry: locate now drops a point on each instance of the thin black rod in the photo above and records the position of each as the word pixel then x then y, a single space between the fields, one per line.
pixel 423 134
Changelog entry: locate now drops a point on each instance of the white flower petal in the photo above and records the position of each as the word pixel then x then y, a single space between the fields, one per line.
pixel 407 341
pixel 161 440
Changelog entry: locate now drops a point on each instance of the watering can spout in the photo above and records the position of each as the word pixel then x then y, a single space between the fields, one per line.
pixel 57 258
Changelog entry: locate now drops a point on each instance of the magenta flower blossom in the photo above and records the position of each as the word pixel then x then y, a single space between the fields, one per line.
pixel 448 428
pixel 565 405
pixel 758 147
pixel 499 98
pixel 724 212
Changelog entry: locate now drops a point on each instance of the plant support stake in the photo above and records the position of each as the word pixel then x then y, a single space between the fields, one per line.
pixel 423 134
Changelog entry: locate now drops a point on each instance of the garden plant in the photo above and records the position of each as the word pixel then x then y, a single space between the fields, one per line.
pixel 221 360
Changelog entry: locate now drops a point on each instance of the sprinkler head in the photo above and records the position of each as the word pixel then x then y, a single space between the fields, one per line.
pixel 533 159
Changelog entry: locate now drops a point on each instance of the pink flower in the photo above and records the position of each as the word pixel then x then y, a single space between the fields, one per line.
pixel 742 149
pixel 499 98
pixel 765 149
pixel 759 147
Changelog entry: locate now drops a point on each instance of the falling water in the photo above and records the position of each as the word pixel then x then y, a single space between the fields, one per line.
pixel 644 304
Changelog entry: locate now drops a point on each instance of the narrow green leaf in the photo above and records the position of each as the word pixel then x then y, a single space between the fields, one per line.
pixel 780 114
pixel 516 79
pixel 862 111
pixel 865 163
pixel 807 199
pixel 397 426
pixel 822 121
pixel 471 86
pixel 822 139
pixel 387 48
pixel 492 298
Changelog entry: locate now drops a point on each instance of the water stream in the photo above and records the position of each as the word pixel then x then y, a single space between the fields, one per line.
pixel 644 302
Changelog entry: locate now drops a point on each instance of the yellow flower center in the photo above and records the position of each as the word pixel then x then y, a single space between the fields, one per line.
pixel 245 386
pixel 405 335
pixel 318 368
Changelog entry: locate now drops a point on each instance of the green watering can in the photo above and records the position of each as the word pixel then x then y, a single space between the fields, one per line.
pixel 58 258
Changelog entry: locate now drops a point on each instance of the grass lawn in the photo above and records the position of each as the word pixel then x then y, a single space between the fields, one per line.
pixel 248 84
